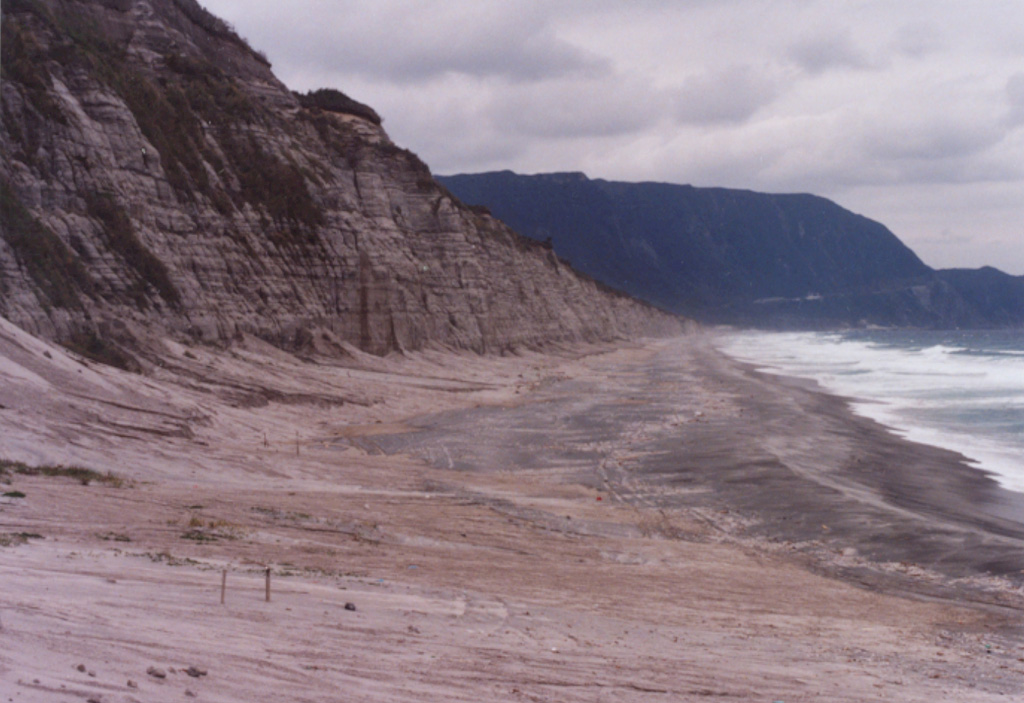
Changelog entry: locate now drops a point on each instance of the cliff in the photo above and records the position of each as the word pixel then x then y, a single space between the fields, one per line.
pixel 722 255
pixel 157 175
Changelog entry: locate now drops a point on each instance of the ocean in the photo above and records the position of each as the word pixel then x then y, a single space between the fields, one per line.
pixel 958 390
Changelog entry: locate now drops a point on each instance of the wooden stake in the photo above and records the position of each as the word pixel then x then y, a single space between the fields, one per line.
pixel 268 584
pixel 223 585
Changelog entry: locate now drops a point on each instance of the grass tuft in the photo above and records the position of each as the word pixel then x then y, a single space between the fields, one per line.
pixel 80 474
pixel 14 539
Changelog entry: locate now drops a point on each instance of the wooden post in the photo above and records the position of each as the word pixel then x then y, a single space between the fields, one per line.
pixel 268 584
pixel 223 585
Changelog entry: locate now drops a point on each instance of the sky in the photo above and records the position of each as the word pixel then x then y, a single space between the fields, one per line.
pixel 910 113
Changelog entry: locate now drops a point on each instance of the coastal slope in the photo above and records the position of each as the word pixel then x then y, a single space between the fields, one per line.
pixel 158 177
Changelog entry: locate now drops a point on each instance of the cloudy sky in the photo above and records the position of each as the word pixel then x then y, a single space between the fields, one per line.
pixel 911 112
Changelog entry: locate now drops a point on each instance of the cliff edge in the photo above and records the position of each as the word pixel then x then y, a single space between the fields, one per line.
pixel 156 174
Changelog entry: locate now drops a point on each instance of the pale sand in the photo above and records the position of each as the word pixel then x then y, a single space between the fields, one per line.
pixel 453 500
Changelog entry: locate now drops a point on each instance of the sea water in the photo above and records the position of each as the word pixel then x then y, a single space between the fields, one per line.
pixel 958 390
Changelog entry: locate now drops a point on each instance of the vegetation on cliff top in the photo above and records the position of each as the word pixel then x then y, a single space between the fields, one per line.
pixel 196 117
pixel 179 171
pixel 335 101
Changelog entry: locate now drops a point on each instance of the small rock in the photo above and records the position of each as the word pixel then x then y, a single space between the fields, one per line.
pixel 350 606
pixel 132 684
pixel 92 674
pixel 81 667
pixel 195 672
pixel 189 694
pixel 414 630
pixel 156 673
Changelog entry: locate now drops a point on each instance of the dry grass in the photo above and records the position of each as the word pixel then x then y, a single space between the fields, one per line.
pixel 80 474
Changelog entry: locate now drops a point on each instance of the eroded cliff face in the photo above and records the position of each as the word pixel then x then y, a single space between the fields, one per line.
pixel 156 173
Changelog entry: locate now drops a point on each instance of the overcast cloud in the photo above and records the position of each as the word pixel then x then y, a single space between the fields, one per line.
pixel 909 113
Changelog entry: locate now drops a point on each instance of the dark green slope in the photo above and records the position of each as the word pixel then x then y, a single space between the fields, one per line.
pixel 738 256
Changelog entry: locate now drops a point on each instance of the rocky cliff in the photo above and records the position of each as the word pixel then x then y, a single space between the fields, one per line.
pixel 155 173
pixel 742 257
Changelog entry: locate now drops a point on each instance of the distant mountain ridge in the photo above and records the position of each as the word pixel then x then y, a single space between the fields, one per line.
pixel 737 256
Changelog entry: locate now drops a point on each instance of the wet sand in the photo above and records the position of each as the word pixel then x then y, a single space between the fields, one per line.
pixel 761 456
pixel 641 522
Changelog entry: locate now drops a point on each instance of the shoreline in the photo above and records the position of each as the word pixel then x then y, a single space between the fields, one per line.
pixel 902 501
pixel 795 463
pixel 610 521
pixel 893 407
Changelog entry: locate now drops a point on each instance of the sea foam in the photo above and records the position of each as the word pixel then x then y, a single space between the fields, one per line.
pixel 958 390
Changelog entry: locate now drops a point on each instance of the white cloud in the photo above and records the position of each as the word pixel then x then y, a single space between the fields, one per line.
pixel 1015 98
pixel 836 49
pixel 407 41
pixel 919 39
pixel 575 109
pixel 731 94
pixel 858 101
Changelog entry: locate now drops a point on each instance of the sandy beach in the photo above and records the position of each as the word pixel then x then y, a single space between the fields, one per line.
pixel 648 521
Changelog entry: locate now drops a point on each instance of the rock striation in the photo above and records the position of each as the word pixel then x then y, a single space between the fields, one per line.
pixel 157 175
pixel 724 255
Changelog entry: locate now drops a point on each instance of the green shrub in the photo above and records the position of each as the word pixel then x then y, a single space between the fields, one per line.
pixel 217 27
pixel 91 346
pixel 335 101
pixel 10 539
pixel 271 184
pixel 23 61
pixel 82 475
pixel 55 270
pixel 119 5
pixel 121 238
